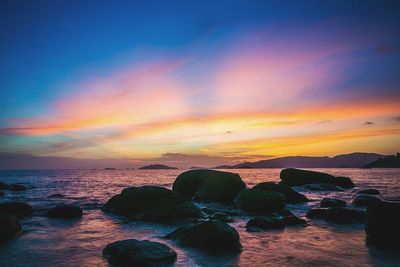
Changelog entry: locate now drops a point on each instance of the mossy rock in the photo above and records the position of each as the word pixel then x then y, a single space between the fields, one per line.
pixel 291 195
pixel 259 201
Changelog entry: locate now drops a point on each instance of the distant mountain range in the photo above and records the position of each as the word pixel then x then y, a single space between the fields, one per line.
pixel 352 160
pixel 157 167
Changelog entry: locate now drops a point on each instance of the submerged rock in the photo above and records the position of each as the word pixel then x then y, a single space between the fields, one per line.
pixel 259 201
pixel 132 252
pixel 382 223
pixel 210 236
pixel 365 200
pixel 209 185
pixel 17 187
pixel 265 223
pixel 3 186
pixel 332 202
pixel 291 195
pixel 337 215
pixel 9 227
pixel 297 177
pixel 152 203
pixel 322 187
pixel 56 196
pixel 18 209
pixel 65 212
pixel 369 192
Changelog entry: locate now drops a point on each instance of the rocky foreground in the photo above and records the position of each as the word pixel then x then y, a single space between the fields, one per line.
pixel 207 229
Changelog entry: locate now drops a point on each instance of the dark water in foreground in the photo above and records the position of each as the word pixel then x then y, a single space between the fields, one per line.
pixel 54 242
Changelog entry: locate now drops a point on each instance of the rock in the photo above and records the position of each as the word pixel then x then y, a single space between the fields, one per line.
pixel 152 203
pixel 332 202
pixel 210 236
pixel 291 195
pixel 221 216
pixel 322 187
pixel 132 252
pixel 365 200
pixel 209 185
pixel 18 209
pixel 3 186
pixel 297 177
pixel 337 215
pixel 1 193
pixel 294 220
pixel 369 192
pixel 9 227
pixel 17 187
pixel 265 223
pixel 56 196
pixel 259 201
pixel 382 223
pixel 65 212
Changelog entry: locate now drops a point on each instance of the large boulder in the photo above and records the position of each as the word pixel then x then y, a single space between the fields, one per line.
pixel 18 209
pixel 322 187
pixel 365 200
pixel 337 215
pixel 132 252
pixel 209 185
pixel 65 212
pixel 152 203
pixel 382 223
pixel 296 177
pixel 291 195
pixel 210 236
pixel 332 202
pixel 259 201
pixel 9 227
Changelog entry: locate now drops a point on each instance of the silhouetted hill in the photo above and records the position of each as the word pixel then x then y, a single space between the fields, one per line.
pixel 391 161
pixel 157 167
pixel 353 160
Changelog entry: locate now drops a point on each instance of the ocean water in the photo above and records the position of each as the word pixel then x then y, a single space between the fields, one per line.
pixel 54 242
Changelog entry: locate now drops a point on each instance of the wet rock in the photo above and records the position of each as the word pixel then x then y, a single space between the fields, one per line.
pixel 3 186
pixel 370 191
pixel 65 212
pixel 297 177
pixel 291 195
pixel 9 227
pixel 382 223
pixel 259 201
pixel 265 223
pixel 292 220
pixel 211 236
pixel 332 202
pixel 322 187
pixel 365 200
pixel 221 216
pixel 56 196
pixel 1 193
pixel 132 252
pixel 209 185
pixel 337 215
pixel 18 209
pixel 152 203
pixel 17 187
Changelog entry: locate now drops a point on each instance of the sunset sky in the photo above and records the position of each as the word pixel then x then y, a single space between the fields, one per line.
pixel 202 82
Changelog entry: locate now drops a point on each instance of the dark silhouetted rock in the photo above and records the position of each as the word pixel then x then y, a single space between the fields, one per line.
pixel 291 195
pixel 3 186
pixel 221 216
pixel 157 167
pixel 65 212
pixel 9 227
pixel 132 252
pixel 322 187
pixel 369 192
pixel 1 193
pixel 18 209
pixel 365 200
pixel 152 203
pixel 382 224
pixel 332 202
pixel 337 215
pixel 209 185
pixel 17 187
pixel 259 201
pixel 265 223
pixel 297 177
pixel 210 236
pixel 56 196
pixel 291 220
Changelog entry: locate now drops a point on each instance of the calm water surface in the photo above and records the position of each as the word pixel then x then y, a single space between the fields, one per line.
pixel 54 242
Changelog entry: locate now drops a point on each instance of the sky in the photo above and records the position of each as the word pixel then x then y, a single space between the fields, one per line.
pixel 199 82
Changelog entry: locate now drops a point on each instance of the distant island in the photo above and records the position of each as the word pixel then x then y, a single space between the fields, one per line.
pixel 157 167
pixel 390 161
pixel 352 160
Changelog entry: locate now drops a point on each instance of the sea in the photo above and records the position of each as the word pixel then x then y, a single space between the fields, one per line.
pixel 79 242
